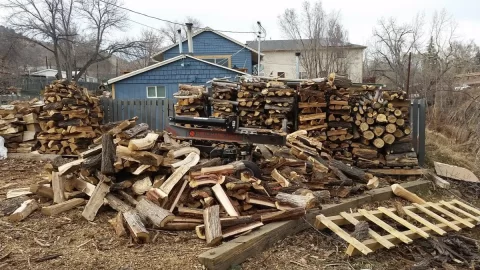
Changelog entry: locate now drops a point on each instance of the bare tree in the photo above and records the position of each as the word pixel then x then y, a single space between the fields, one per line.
pixel 170 29
pixel 150 42
pixel 321 38
pixel 77 32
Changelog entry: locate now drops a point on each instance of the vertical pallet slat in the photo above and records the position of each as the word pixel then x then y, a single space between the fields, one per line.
pixel 138 109
pixel 152 115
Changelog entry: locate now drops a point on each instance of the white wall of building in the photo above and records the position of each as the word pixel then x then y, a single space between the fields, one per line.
pixel 284 61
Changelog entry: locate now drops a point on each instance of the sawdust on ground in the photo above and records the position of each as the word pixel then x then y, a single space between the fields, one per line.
pixel 93 245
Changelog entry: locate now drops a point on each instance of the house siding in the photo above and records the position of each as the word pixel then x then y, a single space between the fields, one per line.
pixel 170 75
pixel 209 43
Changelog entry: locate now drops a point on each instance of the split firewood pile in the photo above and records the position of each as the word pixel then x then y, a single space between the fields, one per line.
pixel 191 101
pixel 69 120
pixel 302 166
pixel 19 125
pixel 153 180
pixel 223 98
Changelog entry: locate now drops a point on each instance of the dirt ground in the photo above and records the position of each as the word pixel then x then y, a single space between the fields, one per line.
pixel 93 245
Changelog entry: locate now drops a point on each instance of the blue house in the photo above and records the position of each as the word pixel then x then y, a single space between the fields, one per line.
pixel 214 56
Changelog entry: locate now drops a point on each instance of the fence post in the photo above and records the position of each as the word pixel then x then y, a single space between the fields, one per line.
pixel 414 124
pixel 421 132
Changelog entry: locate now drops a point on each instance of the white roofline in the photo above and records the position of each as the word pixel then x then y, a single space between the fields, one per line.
pixel 168 61
pixel 204 30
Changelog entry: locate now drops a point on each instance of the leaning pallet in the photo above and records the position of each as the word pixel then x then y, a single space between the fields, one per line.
pixel 456 215
pixel 69 120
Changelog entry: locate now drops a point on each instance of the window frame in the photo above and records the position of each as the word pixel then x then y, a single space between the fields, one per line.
pixel 215 58
pixel 156 90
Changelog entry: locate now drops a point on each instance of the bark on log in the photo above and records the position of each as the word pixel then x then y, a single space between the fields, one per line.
pixel 136 227
pixel 154 213
pixel 213 229
pixel 108 155
pixel 25 209
pixel 290 214
pixel 305 202
pixel 130 133
pixel 142 157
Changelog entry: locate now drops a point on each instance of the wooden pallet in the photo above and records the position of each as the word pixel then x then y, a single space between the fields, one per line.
pixel 448 216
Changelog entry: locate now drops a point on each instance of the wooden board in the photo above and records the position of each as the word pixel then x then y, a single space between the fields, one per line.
pixel 387 244
pixel 437 217
pixel 385 226
pixel 450 215
pixel 466 206
pixel 454 172
pixel 425 222
pixel 344 235
pixel 461 211
pixel 398 171
pixel 402 221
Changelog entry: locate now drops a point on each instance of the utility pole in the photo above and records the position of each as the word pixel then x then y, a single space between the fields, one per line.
pixel 261 34
pixel 408 73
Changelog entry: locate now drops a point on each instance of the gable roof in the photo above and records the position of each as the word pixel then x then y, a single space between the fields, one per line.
pixel 292 45
pixel 207 29
pixel 166 62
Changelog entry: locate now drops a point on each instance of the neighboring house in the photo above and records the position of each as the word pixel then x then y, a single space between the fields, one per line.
pixel 216 48
pixel 51 73
pixel 279 58
pixel 161 80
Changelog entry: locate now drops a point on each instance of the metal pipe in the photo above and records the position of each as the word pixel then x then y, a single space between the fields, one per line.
pixel 189 37
pixel 259 41
pixel 297 59
pixel 180 43
pixel 408 74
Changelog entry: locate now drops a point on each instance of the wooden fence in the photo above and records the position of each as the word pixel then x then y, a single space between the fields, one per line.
pixel 154 112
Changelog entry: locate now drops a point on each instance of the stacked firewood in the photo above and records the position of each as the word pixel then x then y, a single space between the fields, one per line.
pixel 251 104
pixel 69 120
pixel 312 108
pixel 381 118
pixel 279 99
pixel 191 101
pixel 19 125
pixel 223 96
pixel 340 132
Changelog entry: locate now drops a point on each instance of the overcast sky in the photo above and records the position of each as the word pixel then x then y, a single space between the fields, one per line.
pixel 358 17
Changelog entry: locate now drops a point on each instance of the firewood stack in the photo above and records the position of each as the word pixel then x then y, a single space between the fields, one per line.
pixel 340 132
pixel 279 99
pixel 69 120
pixel 382 121
pixel 19 125
pixel 191 101
pixel 312 107
pixel 223 96
pixel 251 104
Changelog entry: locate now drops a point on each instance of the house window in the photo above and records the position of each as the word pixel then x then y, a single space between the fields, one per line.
pixel 281 74
pixel 156 92
pixel 222 60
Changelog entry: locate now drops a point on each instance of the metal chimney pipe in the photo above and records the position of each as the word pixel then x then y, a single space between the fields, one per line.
pixel 189 37
pixel 297 59
pixel 180 51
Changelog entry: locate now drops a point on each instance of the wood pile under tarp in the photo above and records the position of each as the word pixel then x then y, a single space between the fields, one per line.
pixel 191 101
pixel 19 125
pixel 70 119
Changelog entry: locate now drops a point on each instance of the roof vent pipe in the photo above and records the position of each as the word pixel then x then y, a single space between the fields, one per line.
pixel 180 51
pixel 189 37
pixel 297 58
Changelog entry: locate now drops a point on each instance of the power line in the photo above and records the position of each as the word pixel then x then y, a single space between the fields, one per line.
pixel 168 21
pixel 145 25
